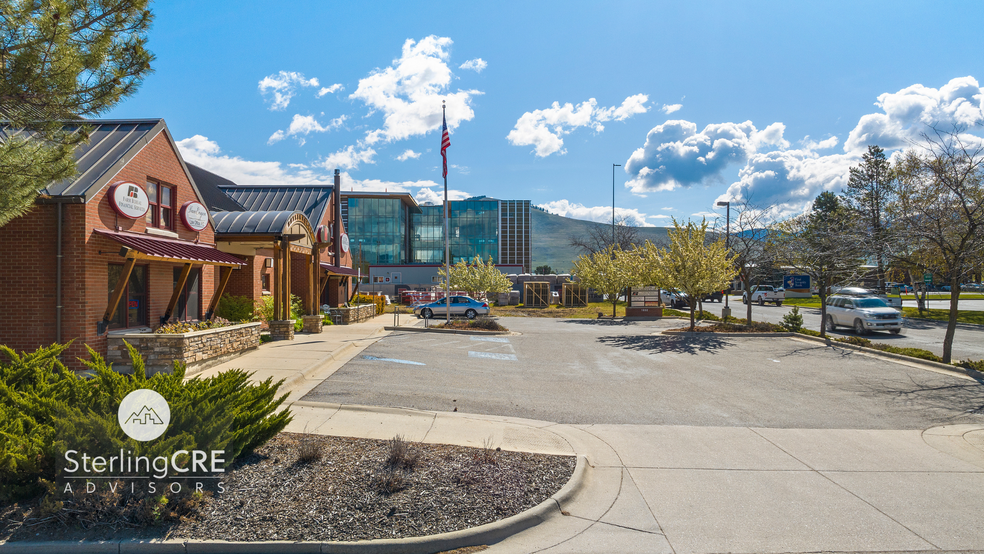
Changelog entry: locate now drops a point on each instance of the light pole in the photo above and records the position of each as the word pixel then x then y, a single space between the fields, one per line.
pixel 613 202
pixel 727 239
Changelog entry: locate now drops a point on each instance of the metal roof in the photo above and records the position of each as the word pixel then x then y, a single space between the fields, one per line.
pixel 312 200
pixel 173 249
pixel 214 197
pixel 252 222
pixel 112 144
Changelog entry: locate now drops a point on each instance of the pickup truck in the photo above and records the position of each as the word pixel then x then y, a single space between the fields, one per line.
pixel 763 294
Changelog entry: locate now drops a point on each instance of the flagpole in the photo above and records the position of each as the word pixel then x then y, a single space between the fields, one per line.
pixel 447 225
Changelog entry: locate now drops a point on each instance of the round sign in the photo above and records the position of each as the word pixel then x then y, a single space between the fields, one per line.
pixel 129 200
pixel 144 415
pixel 345 242
pixel 194 215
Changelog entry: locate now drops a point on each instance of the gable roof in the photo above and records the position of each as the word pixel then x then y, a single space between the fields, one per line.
pixel 208 184
pixel 312 200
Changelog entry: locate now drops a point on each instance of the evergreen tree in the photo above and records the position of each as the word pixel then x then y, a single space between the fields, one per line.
pixel 869 190
pixel 61 60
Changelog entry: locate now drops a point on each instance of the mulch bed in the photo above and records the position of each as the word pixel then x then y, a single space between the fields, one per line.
pixel 353 490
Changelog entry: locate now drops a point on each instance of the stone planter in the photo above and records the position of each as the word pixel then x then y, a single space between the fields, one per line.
pixel 198 350
pixel 354 314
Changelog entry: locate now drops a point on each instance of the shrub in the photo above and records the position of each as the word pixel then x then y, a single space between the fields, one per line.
pixel 810 332
pixel 856 341
pixel 971 364
pixel 264 309
pixel 179 327
pixel 46 410
pixel 792 321
pixel 376 299
pixel 236 308
pixel 401 454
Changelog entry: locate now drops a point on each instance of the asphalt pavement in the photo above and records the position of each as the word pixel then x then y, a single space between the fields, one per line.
pixel 928 334
pixel 600 372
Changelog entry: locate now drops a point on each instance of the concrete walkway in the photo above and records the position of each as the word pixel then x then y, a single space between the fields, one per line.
pixel 682 489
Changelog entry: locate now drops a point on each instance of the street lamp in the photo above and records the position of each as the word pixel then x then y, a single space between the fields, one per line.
pixel 613 202
pixel 727 237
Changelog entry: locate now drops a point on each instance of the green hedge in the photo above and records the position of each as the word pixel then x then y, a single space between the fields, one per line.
pixel 46 410
pixel 378 300
pixel 236 308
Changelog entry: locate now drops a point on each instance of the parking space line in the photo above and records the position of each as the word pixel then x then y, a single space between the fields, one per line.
pixel 493 356
pixel 490 339
pixel 394 360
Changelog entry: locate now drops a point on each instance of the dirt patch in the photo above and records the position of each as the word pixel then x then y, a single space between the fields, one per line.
pixel 347 490
pixel 473 325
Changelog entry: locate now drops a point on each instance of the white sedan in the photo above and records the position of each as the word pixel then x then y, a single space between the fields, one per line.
pixel 460 306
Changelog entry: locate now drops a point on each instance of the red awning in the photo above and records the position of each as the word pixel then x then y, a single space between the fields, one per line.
pixel 173 250
pixel 339 270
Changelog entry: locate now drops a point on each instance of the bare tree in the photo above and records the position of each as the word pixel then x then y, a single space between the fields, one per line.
pixel 752 228
pixel 823 244
pixel 600 237
pixel 941 208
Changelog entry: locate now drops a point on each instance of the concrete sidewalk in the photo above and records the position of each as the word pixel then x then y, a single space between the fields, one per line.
pixel 683 489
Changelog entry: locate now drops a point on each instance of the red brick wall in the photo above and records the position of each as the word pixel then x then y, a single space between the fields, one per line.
pixel 27 246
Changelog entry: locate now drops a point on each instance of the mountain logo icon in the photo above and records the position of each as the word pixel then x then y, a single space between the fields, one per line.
pixel 144 415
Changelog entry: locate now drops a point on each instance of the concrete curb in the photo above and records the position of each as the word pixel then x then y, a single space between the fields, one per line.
pixel 447 331
pixel 489 533
pixel 302 375
pixel 959 371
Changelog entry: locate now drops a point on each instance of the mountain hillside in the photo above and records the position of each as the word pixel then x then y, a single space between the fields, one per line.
pixel 552 236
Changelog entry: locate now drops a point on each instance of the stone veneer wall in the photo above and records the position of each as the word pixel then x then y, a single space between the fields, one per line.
pixel 198 350
pixel 355 314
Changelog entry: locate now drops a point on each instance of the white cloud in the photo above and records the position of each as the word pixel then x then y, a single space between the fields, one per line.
pixel 282 86
pixel 347 158
pixel 601 214
pixel 670 108
pixel 661 216
pixel 303 125
pixel 544 129
pixel 705 215
pixel 408 155
pixel 668 209
pixel 430 196
pixel 676 155
pixel 908 113
pixel 476 65
pixel 410 91
pixel 328 90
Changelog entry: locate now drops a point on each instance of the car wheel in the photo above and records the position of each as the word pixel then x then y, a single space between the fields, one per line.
pixel 830 324
pixel 470 314
pixel 744 300
pixel 859 327
pixel 895 331
pixel 426 313
pixel 778 302
pixel 761 301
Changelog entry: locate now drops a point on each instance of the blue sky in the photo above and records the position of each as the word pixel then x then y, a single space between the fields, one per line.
pixel 698 102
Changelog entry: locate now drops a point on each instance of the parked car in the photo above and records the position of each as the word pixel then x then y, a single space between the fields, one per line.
pixel 716 296
pixel 460 306
pixel 674 299
pixel 863 313
pixel 859 292
pixel 763 294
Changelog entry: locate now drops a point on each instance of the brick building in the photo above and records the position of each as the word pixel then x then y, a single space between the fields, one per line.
pixel 132 242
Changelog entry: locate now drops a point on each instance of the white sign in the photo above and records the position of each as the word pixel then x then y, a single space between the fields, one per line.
pixel 129 200
pixel 194 215
pixel 144 415
pixel 345 242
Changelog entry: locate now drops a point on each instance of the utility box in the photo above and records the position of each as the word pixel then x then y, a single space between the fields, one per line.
pixel 536 294
pixel 574 295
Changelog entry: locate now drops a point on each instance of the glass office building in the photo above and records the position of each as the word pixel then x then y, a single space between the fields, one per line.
pixel 391 228
pixel 377 229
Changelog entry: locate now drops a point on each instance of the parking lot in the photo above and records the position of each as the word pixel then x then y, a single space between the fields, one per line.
pixel 590 371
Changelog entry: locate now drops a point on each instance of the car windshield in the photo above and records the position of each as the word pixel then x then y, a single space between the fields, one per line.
pixel 870 303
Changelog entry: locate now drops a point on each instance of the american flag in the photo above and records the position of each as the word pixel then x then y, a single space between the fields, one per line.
pixel 445 142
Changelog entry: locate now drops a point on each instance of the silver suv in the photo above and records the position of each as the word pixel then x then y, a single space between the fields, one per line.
pixel 864 314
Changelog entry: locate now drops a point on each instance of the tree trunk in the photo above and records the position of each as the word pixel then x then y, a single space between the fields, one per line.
pixel 822 293
pixel 747 284
pixel 951 324
pixel 693 305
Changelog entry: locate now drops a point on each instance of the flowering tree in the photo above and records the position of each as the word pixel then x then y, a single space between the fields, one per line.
pixel 693 265
pixel 609 271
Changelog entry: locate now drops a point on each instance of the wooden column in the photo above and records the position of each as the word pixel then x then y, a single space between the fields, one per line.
pixel 176 293
pixel 285 301
pixel 225 274
pixel 315 261
pixel 277 283
pixel 114 299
